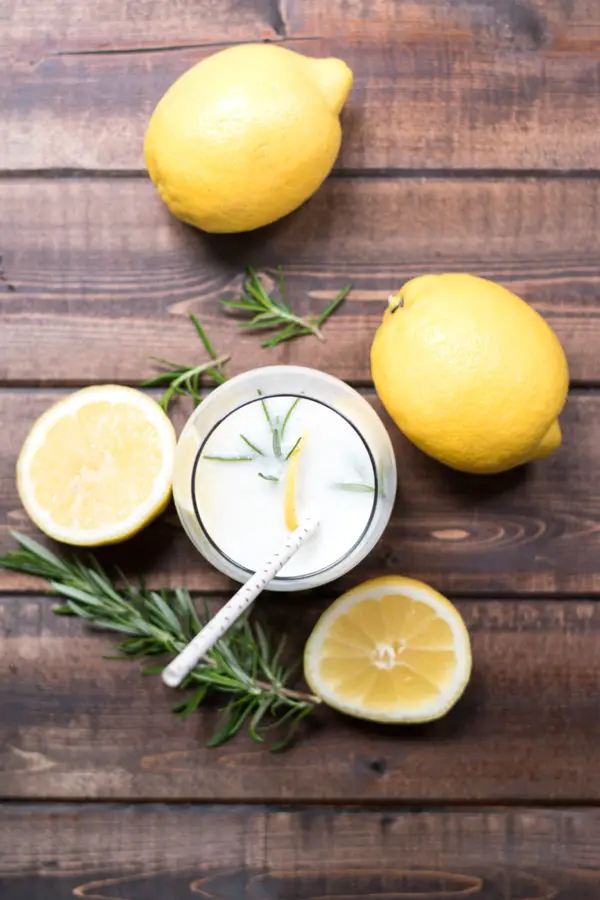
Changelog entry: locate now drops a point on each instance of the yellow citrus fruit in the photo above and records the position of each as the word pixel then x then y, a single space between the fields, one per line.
pixel 470 373
pixel 246 136
pixel 289 497
pixel 97 467
pixel 391 650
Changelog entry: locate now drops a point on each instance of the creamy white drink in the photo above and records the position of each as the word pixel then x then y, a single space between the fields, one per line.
pixel 267 449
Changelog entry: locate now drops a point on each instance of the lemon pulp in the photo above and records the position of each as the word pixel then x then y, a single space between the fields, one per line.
pixel 391 650
pixel 97 466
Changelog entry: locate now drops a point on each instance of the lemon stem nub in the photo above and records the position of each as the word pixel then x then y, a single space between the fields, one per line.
pixel 395 301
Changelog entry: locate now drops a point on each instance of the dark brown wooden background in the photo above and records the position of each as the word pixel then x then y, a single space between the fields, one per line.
pixel 471 142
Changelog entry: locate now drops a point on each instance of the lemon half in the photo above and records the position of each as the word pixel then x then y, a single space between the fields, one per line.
pixel 391 650
pixel 97 467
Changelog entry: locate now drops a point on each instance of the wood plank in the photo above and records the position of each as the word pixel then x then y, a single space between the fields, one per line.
pixel 144 852
pixel 533 530
pixel 483 23
pixel 75 725
pixel 98 277
pixel 517 82
pixel 123 25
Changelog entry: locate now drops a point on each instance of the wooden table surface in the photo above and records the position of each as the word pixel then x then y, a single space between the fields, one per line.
pixel 471 142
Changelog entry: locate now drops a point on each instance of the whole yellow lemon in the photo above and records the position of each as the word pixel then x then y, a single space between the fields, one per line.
pixel 246 136
pixel 470 373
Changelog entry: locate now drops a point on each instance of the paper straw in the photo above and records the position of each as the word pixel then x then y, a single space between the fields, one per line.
pixel 191 655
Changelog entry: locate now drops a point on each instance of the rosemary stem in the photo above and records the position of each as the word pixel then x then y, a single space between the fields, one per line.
pixel 304 323
pixel 290 694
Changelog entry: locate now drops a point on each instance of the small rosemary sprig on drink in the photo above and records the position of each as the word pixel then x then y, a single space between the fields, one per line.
pixel 356 487
pixel 271 312
pixel 277 428
pixel 185 380
pixel 243 666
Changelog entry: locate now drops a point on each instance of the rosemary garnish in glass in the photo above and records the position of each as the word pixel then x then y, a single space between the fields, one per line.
pixel 244 666
pixel 277 436
pixel 270 312
pixel 356 487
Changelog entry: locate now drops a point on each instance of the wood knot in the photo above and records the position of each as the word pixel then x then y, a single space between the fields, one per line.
pixel 378 766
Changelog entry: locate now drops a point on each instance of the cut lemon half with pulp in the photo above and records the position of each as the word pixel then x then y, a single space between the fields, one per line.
pixel 391 650
pixel 97 467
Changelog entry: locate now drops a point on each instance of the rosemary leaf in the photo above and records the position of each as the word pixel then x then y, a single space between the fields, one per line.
pixel 191 703
pixel 246 306
pixel 290 331
pixel 333 305
pixel 265 409
pixel 276 443
pixel 268 477
pixel 294 448
pixel 252 446
pixel 295 716
pixel 231 721
pixel 261 709
pixel 282 289
pixel 288 414
pixel 243 665
pixel 208 346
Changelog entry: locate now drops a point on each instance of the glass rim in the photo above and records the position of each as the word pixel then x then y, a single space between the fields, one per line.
pixel 215 545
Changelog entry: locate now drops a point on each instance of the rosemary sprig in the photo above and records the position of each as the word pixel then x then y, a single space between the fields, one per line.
pixel 356 487
pixel 277 429
pixel 244 666
pixel 287 416
pixel 184 380
pixel 270 312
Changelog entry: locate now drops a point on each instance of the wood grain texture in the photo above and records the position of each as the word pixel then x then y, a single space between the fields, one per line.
pixel 496 24
pixel 97 276
pixel 437 85
pixel 120 25
pixel 55 852
pixel 533 530
pixel 77 726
